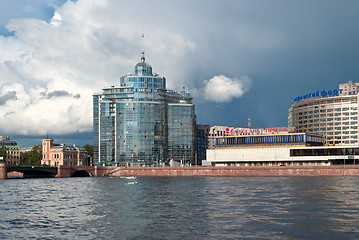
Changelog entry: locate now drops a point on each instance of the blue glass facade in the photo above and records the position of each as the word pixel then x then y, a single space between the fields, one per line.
pixel 202 142
pixel 141 122
pixel 271 139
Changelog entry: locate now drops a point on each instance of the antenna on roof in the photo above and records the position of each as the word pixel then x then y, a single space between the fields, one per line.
pixel 143 47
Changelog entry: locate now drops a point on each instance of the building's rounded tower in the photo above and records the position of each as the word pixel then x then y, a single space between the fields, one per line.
pixel 332 114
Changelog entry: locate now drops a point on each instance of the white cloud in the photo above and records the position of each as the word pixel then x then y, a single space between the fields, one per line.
pixel 49 70
pixel 223 89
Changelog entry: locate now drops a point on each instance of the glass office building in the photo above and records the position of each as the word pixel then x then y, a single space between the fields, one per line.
pixel 141 122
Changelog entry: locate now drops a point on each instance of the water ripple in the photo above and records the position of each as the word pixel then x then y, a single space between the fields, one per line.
pixel 180 208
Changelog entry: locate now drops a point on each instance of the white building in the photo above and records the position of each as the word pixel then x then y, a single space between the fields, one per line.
pixel 264 147
pixel 330 113
pixel 284 156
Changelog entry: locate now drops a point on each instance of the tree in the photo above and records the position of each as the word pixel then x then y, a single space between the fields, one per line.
pixel 3 152
pixel 33 157
pixel 89 149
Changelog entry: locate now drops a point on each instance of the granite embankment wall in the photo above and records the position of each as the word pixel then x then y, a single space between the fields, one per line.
pixel 229 171
pixel 292 171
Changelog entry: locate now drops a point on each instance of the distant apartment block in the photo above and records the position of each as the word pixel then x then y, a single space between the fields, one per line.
pixel 11 149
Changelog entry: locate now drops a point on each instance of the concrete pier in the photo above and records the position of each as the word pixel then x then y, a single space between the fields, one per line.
pixel 3 171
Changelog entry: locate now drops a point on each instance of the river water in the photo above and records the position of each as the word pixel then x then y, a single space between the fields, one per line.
pixel 180 208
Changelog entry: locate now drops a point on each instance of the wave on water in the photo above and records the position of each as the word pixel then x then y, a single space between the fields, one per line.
pixel 128 177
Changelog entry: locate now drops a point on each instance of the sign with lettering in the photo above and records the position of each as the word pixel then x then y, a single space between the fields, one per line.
pixel 323 93
pixel 247 131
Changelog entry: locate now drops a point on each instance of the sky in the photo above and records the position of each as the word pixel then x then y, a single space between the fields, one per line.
pixel 238 59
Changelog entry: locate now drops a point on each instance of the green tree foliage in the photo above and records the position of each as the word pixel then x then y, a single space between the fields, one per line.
pixel 3 152
pixel 89 149
pixel 33 157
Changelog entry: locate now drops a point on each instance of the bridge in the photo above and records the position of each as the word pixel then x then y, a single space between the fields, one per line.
pixel 34 171
pixel 60 171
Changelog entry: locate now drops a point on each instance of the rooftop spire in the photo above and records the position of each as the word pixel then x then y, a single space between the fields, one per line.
pixel 143 48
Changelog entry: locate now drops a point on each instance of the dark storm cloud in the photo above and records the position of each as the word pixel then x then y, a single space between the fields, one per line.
pixel 286 47
pixel 11 95
pixel 60 93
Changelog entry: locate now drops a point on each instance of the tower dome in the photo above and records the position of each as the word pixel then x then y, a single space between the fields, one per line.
pixel 142 68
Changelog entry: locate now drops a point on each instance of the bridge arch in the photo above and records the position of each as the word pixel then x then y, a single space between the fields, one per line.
pixel 32 171
pixel 81 173
pixel 15 174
